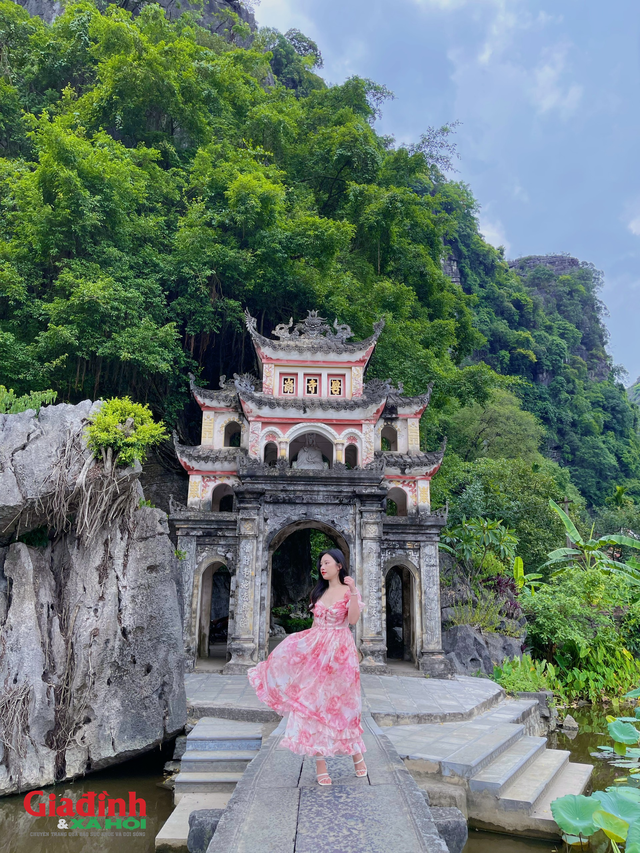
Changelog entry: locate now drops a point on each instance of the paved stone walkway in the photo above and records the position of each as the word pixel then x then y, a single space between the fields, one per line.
pixel 390 699
pixel 278 807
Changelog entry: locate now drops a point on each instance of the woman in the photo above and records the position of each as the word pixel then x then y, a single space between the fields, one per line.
pixel 314 676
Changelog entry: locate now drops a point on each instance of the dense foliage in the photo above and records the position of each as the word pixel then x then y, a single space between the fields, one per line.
pixel 156 178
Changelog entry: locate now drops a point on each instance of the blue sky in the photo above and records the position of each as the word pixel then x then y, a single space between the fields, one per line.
pixel 547 93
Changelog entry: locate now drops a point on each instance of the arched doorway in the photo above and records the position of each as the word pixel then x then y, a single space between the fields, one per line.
pixel 270 454
pixel 222 498
pixel 400 613
pixel 213 613
pixel 293 561
pixel 396 502
pixel 351 456
pixel 232 434
pixel 389 439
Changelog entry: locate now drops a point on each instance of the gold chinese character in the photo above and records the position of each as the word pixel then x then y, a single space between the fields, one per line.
pixel 336 388
pixel 312 386
pixel 288 385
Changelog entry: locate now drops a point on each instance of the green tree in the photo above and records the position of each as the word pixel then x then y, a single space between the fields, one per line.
pixel 499 428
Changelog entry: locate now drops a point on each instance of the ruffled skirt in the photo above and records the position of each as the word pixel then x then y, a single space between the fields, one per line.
pixel 314 677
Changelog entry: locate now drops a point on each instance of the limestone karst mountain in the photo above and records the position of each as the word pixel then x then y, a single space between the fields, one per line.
pixel 212 11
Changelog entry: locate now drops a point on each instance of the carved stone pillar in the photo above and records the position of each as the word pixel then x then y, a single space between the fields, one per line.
pixel 369 577
pixel 432 660
pixel 187 545
pixel 242 644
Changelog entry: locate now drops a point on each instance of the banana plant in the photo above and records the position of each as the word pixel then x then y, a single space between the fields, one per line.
pixel 593 553
pixel 524 583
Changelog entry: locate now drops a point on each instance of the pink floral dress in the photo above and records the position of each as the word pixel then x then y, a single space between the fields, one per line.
pixel 314 676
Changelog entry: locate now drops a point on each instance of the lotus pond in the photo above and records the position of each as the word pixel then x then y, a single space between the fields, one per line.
pixel 144 774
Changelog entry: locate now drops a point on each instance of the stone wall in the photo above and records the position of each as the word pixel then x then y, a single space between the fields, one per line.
pixel 91 655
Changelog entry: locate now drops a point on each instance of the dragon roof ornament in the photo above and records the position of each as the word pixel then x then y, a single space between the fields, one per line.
pixel 312 333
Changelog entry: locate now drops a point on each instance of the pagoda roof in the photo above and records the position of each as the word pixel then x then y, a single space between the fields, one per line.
pixel 248 389
pixel 205 458
pixel 398 403
pixel 411 463
pixel 224 398
pixel 373 397
pixel 312 339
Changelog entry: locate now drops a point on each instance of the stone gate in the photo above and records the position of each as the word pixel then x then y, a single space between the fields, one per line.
pixel 310 444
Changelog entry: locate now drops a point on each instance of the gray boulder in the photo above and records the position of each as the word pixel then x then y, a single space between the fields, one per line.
pixel 471 651
pixel 202 824
pixel 30 447
pixel 91 654
pixel 569 724
pixel 452 827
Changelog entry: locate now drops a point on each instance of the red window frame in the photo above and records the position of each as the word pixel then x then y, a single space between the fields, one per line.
pixel 284 376
pixel 317 376
pixel 340 376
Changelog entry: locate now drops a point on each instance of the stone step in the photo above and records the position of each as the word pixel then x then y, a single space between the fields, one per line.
pixel 523 794
pixel 512 711
pixel 572 779
pixel 207 782
pixel 508 766
pixel 218 733
pixel 203 760
pixel 222 727
pixel 203 743
pixel 172 838
pixel 474 755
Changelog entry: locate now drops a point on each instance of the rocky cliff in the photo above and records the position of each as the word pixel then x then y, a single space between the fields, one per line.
pixel 91 659
pixel 211 13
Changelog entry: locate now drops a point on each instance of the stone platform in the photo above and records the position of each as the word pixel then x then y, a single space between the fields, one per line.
pixel 391 700
pixel 278 807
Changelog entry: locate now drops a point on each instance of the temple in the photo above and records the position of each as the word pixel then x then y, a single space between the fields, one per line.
pixel 310 444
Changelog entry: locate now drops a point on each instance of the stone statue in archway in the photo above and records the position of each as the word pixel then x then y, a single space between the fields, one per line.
pixel 310 456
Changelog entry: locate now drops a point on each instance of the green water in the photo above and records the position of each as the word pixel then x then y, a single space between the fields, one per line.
pixel 143 774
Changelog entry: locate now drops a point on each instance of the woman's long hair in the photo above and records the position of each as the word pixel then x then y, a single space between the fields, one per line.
pixel 318 590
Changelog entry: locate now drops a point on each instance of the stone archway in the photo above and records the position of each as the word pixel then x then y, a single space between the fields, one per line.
pixel 212 611
pixel 402 612
pixel 290 534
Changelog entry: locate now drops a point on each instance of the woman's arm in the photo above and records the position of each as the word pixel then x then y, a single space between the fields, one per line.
pixel 353 613
pixel 354 608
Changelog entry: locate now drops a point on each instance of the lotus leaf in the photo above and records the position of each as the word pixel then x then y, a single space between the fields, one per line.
pixel 633 838
pixel 574 814
pixel 615 803
pixel 624 733
pixel 613 827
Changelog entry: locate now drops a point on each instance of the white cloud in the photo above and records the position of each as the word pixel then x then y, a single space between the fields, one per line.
pixel 548 92
pixel 442 4
pixel 283 15
pixel 634 226
pixel 494 233
pixel 520 193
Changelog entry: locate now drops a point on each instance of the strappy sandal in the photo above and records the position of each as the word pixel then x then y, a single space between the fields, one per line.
pixel 319 776
pixel 363 770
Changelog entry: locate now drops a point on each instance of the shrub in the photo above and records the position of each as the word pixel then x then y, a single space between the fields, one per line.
pixel 123 431
pixel 527 675
pixel 11 404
